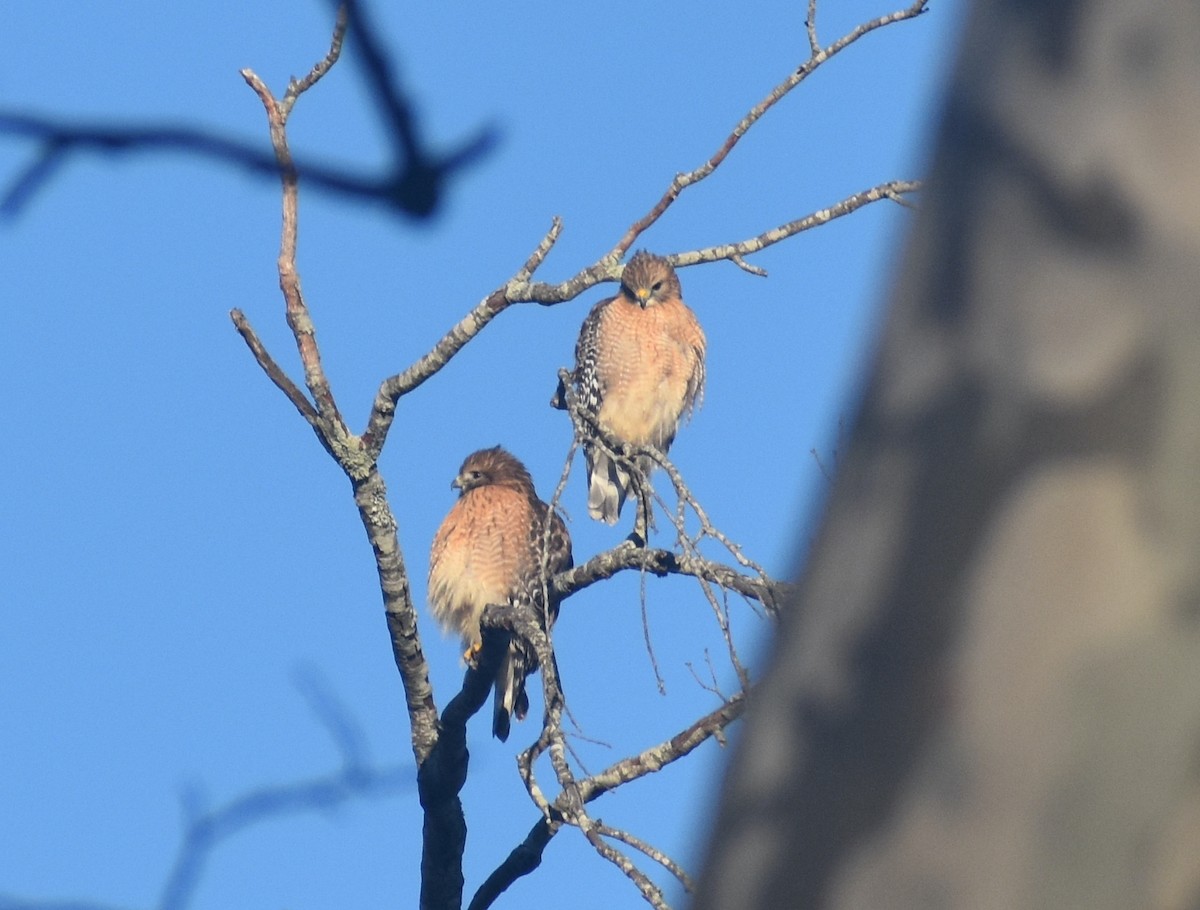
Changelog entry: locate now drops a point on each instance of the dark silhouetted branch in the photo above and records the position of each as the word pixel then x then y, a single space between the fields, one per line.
pixel 523 859
pixel 412 186
pixel 206 829
pixel 440 779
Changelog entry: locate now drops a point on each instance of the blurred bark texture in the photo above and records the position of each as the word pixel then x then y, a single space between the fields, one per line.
pixel 987 690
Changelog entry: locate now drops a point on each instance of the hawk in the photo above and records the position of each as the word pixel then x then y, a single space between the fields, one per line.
pixel 639 367
pixel 488 550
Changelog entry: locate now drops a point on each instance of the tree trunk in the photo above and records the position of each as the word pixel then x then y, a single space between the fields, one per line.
pixel 987 691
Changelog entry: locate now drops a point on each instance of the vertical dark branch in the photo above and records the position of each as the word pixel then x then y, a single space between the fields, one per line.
pixel 440 779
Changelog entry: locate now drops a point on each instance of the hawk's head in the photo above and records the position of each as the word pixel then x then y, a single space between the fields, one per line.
pixel 492 466
pixel 648 280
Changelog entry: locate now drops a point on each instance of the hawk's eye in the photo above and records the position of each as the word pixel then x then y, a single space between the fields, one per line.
pixel 656 287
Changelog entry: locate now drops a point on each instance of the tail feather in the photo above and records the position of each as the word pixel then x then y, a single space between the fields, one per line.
pixel 510 697
pixel 608 485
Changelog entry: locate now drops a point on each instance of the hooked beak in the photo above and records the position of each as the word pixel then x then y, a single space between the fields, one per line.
pixel 642 295
pixel 456 483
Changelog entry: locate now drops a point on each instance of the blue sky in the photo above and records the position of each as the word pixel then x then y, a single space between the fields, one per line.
pixel 176 546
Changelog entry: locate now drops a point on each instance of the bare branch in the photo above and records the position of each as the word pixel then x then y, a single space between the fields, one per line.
pixel 747 267
pixel 821 465
pixel 389 97
pixel 383 410
pixel 414 184
pixel 34 175
pixel 297 87
pixel 59 138
pixel 893 190
pixel 683 181
pixel 650 891
pixel 651 851
pixel 604 269
pixel 658 679
pixel 523 859
pixel 370 495
pixel 712 685
pixel 274 372
pixel 810 26
pixel 567 808
pixel 658 757
pixel 538 256
pixel 626 556
pixel 298 318
pixel 394 387
pixel 439 744
pixel 707 528
pixel 418 175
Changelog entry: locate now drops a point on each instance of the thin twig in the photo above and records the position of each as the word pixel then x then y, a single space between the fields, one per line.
pixel 747 267
pixel 298 318
pixel 650 891
pixel 626 556
pixel 713 685
pixel 297 87
pixel 810 26
pixel 655 758
pixel 658 679
pixel 683 181
pixel 651 851
pixel 274 372
pixel 892 190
